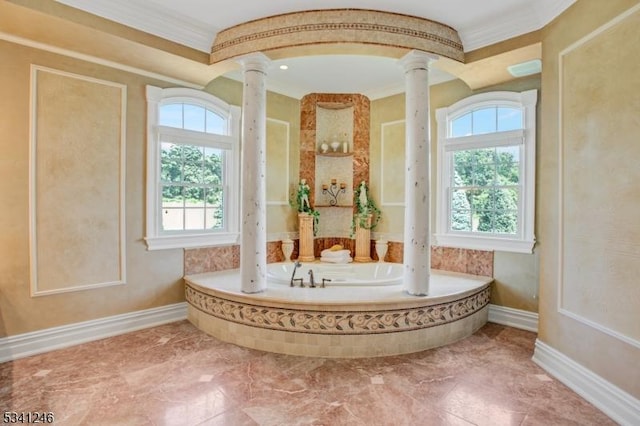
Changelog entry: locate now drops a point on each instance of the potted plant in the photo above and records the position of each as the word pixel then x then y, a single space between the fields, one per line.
pixel 365 207
pixel 302 205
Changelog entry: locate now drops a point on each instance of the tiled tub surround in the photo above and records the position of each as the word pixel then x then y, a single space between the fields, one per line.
pixel 340 322
pixel 358 146
pixel 212 259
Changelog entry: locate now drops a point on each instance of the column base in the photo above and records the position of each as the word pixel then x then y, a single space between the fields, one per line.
pixel 306 258
pixel 362 259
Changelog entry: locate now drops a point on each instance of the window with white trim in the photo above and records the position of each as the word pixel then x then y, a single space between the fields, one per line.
pixel 192 169
pixel 486 172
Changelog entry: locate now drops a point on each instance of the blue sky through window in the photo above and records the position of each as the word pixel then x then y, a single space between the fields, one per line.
pixel 192 117
pixel 487 120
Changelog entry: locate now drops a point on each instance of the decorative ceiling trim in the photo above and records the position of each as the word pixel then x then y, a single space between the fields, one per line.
pixel 155 20
pixel 338 26
pixel 520 21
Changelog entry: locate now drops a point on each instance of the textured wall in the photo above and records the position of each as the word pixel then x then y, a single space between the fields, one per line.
pixel 77 202
pixel 588 215
pixel 152 278
pixel 281 218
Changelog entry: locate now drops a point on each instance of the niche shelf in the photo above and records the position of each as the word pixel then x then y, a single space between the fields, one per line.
pixel 334 154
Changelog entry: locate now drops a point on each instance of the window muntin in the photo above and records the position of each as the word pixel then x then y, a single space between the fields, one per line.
pixel 486 171
pixel 192 117
pixel 486 120
pixel 192 186
pixel 193 170
pixel 485 192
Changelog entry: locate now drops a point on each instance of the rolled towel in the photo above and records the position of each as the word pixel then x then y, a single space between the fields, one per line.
pixel 346 259
pixel 335 253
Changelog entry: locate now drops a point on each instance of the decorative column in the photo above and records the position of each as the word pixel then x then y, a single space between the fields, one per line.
pixel 253 245
pixel 363 239
pixel 417 183
pixel 305 228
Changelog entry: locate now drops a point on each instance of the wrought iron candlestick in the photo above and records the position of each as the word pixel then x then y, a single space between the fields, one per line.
pixel 332 191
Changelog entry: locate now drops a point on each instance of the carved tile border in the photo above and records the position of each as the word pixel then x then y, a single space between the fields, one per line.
pixel 337 322
pixel 337 26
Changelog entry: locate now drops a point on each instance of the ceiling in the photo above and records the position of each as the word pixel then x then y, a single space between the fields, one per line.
pixel 195 23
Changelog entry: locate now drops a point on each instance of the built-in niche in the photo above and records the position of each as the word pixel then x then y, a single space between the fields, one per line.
pixel 334 156
pixel 334 168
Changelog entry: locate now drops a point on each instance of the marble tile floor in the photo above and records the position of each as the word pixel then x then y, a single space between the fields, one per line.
pixel 176 375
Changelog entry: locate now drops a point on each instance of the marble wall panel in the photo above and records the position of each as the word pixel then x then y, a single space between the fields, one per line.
pixel 274 252
pixel 325 243
pixel 308 139
pixel 211 259
pixel 395 252
pixel 476 262
pixel 360 139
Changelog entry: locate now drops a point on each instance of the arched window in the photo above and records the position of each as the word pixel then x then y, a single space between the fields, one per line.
pixel 192 169
pixel 486 172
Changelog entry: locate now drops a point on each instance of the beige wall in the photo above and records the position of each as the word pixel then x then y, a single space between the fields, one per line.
pixel 516 275
pixel 589 250
pixel 152 278
pixel 281 218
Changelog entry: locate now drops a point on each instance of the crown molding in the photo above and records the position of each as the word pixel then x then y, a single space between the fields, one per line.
pixel 548 10
pixel 518 22
pixel 155 20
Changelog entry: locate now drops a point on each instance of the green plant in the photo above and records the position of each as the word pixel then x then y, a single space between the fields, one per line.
pixel 365 206
pixel 301 203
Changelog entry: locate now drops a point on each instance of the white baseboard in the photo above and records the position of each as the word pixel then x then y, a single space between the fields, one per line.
pixel 27 344
pixel 516 318
pixel 611 400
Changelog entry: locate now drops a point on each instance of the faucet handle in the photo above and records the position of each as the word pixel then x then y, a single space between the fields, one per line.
pixel 325 280
pixel 297 280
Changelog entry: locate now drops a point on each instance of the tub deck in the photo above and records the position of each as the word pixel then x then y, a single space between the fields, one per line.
pixel 338 321
pixel 444 286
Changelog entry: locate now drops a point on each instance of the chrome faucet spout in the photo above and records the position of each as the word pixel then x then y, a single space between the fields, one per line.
pixel 312 282
pixel 296 265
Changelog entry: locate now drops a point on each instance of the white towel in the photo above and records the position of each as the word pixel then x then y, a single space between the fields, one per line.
pixel 336 253
pixel 344 259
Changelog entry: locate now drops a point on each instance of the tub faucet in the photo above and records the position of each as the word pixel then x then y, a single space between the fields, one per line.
pixel 296 265
pixel 312 282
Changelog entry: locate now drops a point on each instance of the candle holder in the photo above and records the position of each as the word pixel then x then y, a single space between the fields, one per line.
pixel 333 191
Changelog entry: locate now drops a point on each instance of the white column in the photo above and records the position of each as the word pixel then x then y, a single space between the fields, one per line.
pixel 253 210
pixel 417 248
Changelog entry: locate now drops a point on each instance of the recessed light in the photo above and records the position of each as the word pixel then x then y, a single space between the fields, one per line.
pixel 284 67
pixel 525 68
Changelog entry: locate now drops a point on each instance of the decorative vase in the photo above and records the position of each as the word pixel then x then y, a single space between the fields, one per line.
pixel 287 249
pixel 335 145
pixel 381 249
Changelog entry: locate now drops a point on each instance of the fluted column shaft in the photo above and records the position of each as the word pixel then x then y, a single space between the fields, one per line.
pixel 253 209
pixel 417 248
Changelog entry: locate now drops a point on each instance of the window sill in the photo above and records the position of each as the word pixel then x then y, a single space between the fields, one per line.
pixel 191 241
pixel 485 243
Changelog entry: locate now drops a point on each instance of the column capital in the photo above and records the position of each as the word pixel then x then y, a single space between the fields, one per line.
pixel 256 61
pixel 417 59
